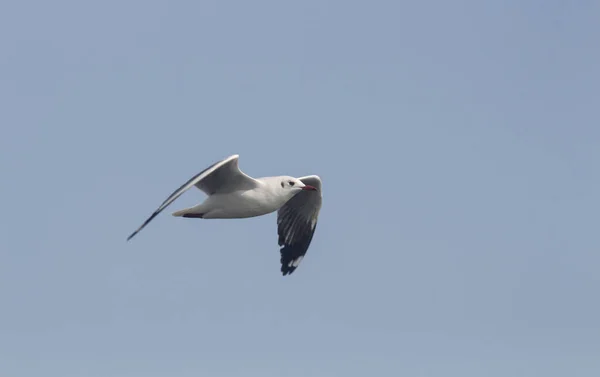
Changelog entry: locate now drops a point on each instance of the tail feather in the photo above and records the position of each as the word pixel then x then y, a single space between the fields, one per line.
pixel 189 212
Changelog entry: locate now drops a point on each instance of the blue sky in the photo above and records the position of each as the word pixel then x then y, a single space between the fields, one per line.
pixel 458 144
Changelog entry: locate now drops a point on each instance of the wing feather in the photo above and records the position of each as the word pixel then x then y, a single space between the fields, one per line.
pixel 296 224
pixel 222 176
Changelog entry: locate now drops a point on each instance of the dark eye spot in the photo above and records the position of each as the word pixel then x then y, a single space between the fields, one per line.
pixel 281 184
pixel 291 183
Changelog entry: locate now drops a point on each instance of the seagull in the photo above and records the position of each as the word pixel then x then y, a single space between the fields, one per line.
pixel 235 195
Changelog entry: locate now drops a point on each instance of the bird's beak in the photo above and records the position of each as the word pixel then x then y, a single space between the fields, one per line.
pixel 309 188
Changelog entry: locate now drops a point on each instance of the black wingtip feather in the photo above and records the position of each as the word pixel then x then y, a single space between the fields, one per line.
pixel 143 225
pixel 292 252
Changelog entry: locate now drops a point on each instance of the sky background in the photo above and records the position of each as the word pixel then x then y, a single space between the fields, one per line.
pixel 458 144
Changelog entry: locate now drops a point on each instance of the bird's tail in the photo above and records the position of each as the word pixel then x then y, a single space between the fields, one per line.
pixel 193 212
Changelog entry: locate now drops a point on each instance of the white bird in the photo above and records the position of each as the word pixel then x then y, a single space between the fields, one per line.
pixel 233 194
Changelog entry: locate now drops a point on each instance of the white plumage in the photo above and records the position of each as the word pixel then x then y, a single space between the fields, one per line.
pixel 233 194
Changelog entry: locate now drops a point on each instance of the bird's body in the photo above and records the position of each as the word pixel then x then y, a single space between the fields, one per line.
pixel 260 200
pixel 233 194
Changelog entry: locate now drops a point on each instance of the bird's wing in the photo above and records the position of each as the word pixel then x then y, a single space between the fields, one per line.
pixel 296 224
pixel 221 177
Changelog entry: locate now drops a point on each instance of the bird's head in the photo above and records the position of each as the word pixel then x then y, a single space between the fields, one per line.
pixel 294 185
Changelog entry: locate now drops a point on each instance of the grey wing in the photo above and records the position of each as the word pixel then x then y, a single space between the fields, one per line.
pixel 296 224
pixel 222 176
pixel 226 177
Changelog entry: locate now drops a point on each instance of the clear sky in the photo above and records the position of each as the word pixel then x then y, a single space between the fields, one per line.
pixel 459 147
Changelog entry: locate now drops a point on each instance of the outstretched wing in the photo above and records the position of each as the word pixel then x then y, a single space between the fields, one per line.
pixel 296 224
pixel 223 176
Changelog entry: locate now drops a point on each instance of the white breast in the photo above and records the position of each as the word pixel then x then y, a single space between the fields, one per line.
pixel 242 204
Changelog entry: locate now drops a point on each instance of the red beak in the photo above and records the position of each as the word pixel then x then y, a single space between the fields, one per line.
pixel 309 187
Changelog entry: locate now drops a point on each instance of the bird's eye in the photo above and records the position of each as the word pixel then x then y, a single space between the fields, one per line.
pixel 291 183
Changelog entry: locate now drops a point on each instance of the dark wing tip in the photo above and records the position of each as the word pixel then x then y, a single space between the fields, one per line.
pixel 292 254
pixel 144 224
pixel 289 263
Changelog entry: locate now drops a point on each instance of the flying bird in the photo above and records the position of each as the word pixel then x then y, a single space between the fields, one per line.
pixel 233 194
